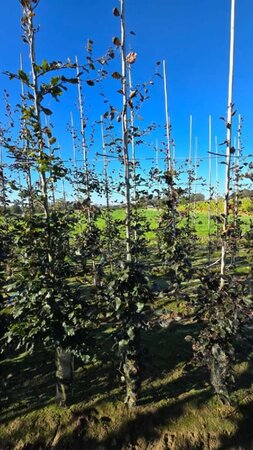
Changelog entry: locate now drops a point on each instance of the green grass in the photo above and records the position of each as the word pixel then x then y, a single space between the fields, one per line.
pixel 176 402
pixel 151 215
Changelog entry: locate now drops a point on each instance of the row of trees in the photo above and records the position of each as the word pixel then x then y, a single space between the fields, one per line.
pixel 41 301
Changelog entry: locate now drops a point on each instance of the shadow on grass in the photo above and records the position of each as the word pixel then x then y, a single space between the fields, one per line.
pixel 27 384
pixel 29 380
pixel 170 384
pixel 241 416
pixel 140 429
pixel 243 438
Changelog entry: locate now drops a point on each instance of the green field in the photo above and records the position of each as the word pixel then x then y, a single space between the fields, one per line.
pixel 200 222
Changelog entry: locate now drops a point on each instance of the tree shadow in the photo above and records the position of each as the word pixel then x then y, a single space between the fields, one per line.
pixel 27 384
pixel 140 429
pixel 29 380
pixel 241 415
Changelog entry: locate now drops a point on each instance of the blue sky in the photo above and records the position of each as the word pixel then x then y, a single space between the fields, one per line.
pixel 191 35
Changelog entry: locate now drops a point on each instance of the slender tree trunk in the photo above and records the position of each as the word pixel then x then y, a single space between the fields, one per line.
pixel 85 163
pixel 168 128
pixel 132 141
pixel 228 149
pixel 189 175
pixel 27 169
pixel 125 134
pixel 52 187
pixel 107 197
pixel 37 110
pixel 236 191
pixel 168 154
pixel 62 373
pixel 158 196
pixel 73 135
pixel 64 362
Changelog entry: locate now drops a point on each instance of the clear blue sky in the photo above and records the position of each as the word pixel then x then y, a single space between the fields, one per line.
pixel 191 35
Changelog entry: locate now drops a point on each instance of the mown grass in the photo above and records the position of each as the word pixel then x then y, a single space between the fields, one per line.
pixel 199 222
pixel 176 403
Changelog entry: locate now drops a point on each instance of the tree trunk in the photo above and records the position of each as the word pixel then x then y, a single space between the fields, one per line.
pixel 219 368
pixel 64 362
pixel 131 371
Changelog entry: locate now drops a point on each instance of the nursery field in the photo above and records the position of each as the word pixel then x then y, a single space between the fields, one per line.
pixel 126 262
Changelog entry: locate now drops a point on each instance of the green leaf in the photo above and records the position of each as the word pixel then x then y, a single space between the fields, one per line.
pixel 45 65
pixel 140 307
pixel 47 111
pixel 117 303
pixel 23 76
pixel 52 140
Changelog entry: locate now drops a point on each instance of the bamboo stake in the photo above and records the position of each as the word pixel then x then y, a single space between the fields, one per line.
pixel 125 134
pixel 237 169
pixel 85 160
pixel 228 149
pixel 25 146
pixel 169 164
pixel 73 135
pixel 132 141
pixel 64 196
pixel 83 138
pixel 209 187
pixel 51 154
pixel 237 182
pixel 190 142
pixel 157 164
pixel 3 189
pixel 107 195
pixel 158 193
pixel 189 173
pixel 37 109
pixel 217 186
pixel 195 179
pixel 168 153
pixel 105 163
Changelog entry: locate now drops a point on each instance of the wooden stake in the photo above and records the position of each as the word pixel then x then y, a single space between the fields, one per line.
pixel 195 179
pixel 169 164
pixel 228 150
pixel 83 138
pixel 132 140
pixel 28 175
pixel 209 186
pixel 217 186
pixel 105 163
pixel 189 174
pixel 73 135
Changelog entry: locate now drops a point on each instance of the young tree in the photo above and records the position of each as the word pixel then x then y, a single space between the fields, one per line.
pixel 47 309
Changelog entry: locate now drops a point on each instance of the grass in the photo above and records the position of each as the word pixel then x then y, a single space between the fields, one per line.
pixel 176 408
pixel 176 404
pixel 151 215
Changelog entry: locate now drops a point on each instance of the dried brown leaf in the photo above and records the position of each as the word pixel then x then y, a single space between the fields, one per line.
pixel 116 12
pixel 116 75
pixel 131 57
pixel 116 41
